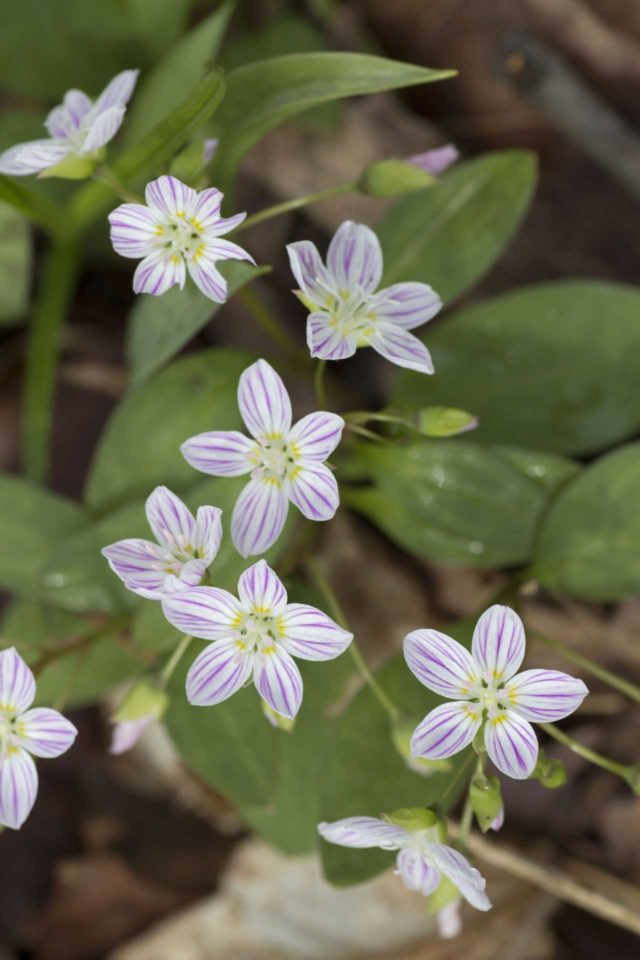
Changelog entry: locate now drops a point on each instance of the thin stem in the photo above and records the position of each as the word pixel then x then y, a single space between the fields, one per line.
pixel 174 659
pixel 296 204
pixel 77 646
pixel 320 385
pixel 369 434
pixel 466 821
pixel 269 323
pixel 455 780
pixel 619 769
pixel 626 687
pixel 52 303
pixel 106 175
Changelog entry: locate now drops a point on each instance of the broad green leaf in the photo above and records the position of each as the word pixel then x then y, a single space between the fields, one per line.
pixel 158 22
pixel 589 544
pixel 15 264
pixel 450 234
pixel 553 366
pixel 262 95
pixel 140 447
pixel 160 326
pixel 454 501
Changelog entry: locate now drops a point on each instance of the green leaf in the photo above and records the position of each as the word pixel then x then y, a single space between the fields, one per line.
pixel 262 95
pixel 15 264
pixel 160 326
pixel 451 234
pixel 589 544
pixel 158 22
pixel 457 502
pixel 553 366
pixel 33 204
pixel 140 447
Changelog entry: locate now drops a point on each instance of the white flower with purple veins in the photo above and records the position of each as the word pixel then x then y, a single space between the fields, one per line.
pixel 286 463
pixel 186 547
pixel 78 128
pixel 346 309
pixel 422 860
pixel 24 734
pixel 486 689
pixel 254 638
pixel 178 231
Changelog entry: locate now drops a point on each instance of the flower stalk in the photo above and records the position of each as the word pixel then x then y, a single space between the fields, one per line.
pixel 619 769
pixel 288 206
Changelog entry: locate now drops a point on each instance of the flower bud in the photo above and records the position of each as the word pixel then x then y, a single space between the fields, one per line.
pixel 550 773
pixel 390 178
pixel 444 421
pixel 401 734
pixel 144 703
pixel 485 797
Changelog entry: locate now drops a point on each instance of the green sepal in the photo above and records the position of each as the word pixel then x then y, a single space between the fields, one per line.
pixel 550 773
pixel 74 167
pixel 414 819
pixel 485 797
pixel 145 699
pixel 444 421
pixel 276 719
pixel 446 892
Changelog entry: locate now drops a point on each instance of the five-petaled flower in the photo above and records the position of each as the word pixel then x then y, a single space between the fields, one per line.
pixel 255 636
pixel 185 548
pixel 286 463
pixel 23 732
pixel 178 230
pixel 346 312
pixel 422 860
pixel 77 128
pixel 484 684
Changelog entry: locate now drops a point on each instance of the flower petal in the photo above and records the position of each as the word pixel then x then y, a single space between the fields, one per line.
pixel 354 258
pixel 226 225
pixel 401 347
pixel 326 341
pixel 45 733
pixel 171 521
pixel 362 833
pixel 206 208
pixel 171 196
pixel 462 875
pixel 141 565
pixel 261 590
pixel 545 695
pixel 126 733
pixel 158 272
pixel 314 491
pixel 103 129
pixel 258 516
pixel 32 157
pixel 134 230
pixel 416 873
pixel 406 305
pixel 118 91
pixel 498 643
pixel 512 745
pixel 226 250
pixel 205 612
pixel 264 402
pixel 446 730
pixel 436 161
pixel 278 680
pixel 217 673
pixel 310 634
pixel 317 435
pixel 220 453
pixel 440 663
pixel 206 276
pixel 310 272
pixel 18 787
pixel 64 120
pixel 17 683
pixel 208 533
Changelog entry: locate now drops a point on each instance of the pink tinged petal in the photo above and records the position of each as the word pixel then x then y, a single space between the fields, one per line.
pixel 278 681
pixel 103 129
pixel 141 565
pixel 543 696
pixel 264 402
pixel 32 157
pixel 406 305
pixel 205 612
pixel 170 520
pixel 363 833
pixel 498 643
pixel 18 787
pixel 416 873
pixel 261 590
pixel 326 341
pixel 158 272
pixel 134 230
pixel 317 435
pixel 17 683
pixel 45 733
pixel 208 533
pixel 310 634
pixel 314 491
pixel 63 121
pixel 258 516
pixel 449 920
pixel 511 744
pixel 354 258
pixel 498 823
pixel 221 453
pixel 225 225
pixel 126 734
pixel 312 276
pixel 207 278
pixel 462 875
pixel 446 730
pixel 401 347
pixel 226 250
pixel 170 196
pixel 118 92
pixel 206 209
pixel 440 663
pixel 190 575
pixel 436 161
pixel 210 145
pixel 220 670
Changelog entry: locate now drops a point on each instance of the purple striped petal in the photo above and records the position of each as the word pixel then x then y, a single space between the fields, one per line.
pixel 462 875
pixel 208 533
pixel 64 121
pixel 126 734
pixel 103 129
pixel 545 695
pixel 217 673
pixel 498 643
pixel 326 341
pixel 440 663
pixel 226 250
pixel 18 787
pixel 406 305
pixel 118 91
pixel 221 453
pixel 158 272
pixel 225 225
pixel 207 278
pixel 401 347
pixel 354 258
pixel 511 744
pixel 314 491
pixel 316 436
pixel 205 612
pixel 416 873
pixel 141 565
pixel 258 516
pixel 312 276
pixel 171 521
pixel 363 833
pixel 264 402
pixel 310 634
pixel 436 161
pixel 261 591
pixel 32 157
pixel 45 733
pixel 278 681
pixel 17 684
pixel 206 209
pixel 134 230
pixel 446 730
pixel 171 196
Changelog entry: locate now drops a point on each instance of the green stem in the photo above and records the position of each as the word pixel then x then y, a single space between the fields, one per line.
pixel 319 384
pixel 174 659
pixel 619 769
pixel 296 204
pixel 269 323
pixel 626 687
pixel 455 780
pixel 52 303
pixel 105 174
